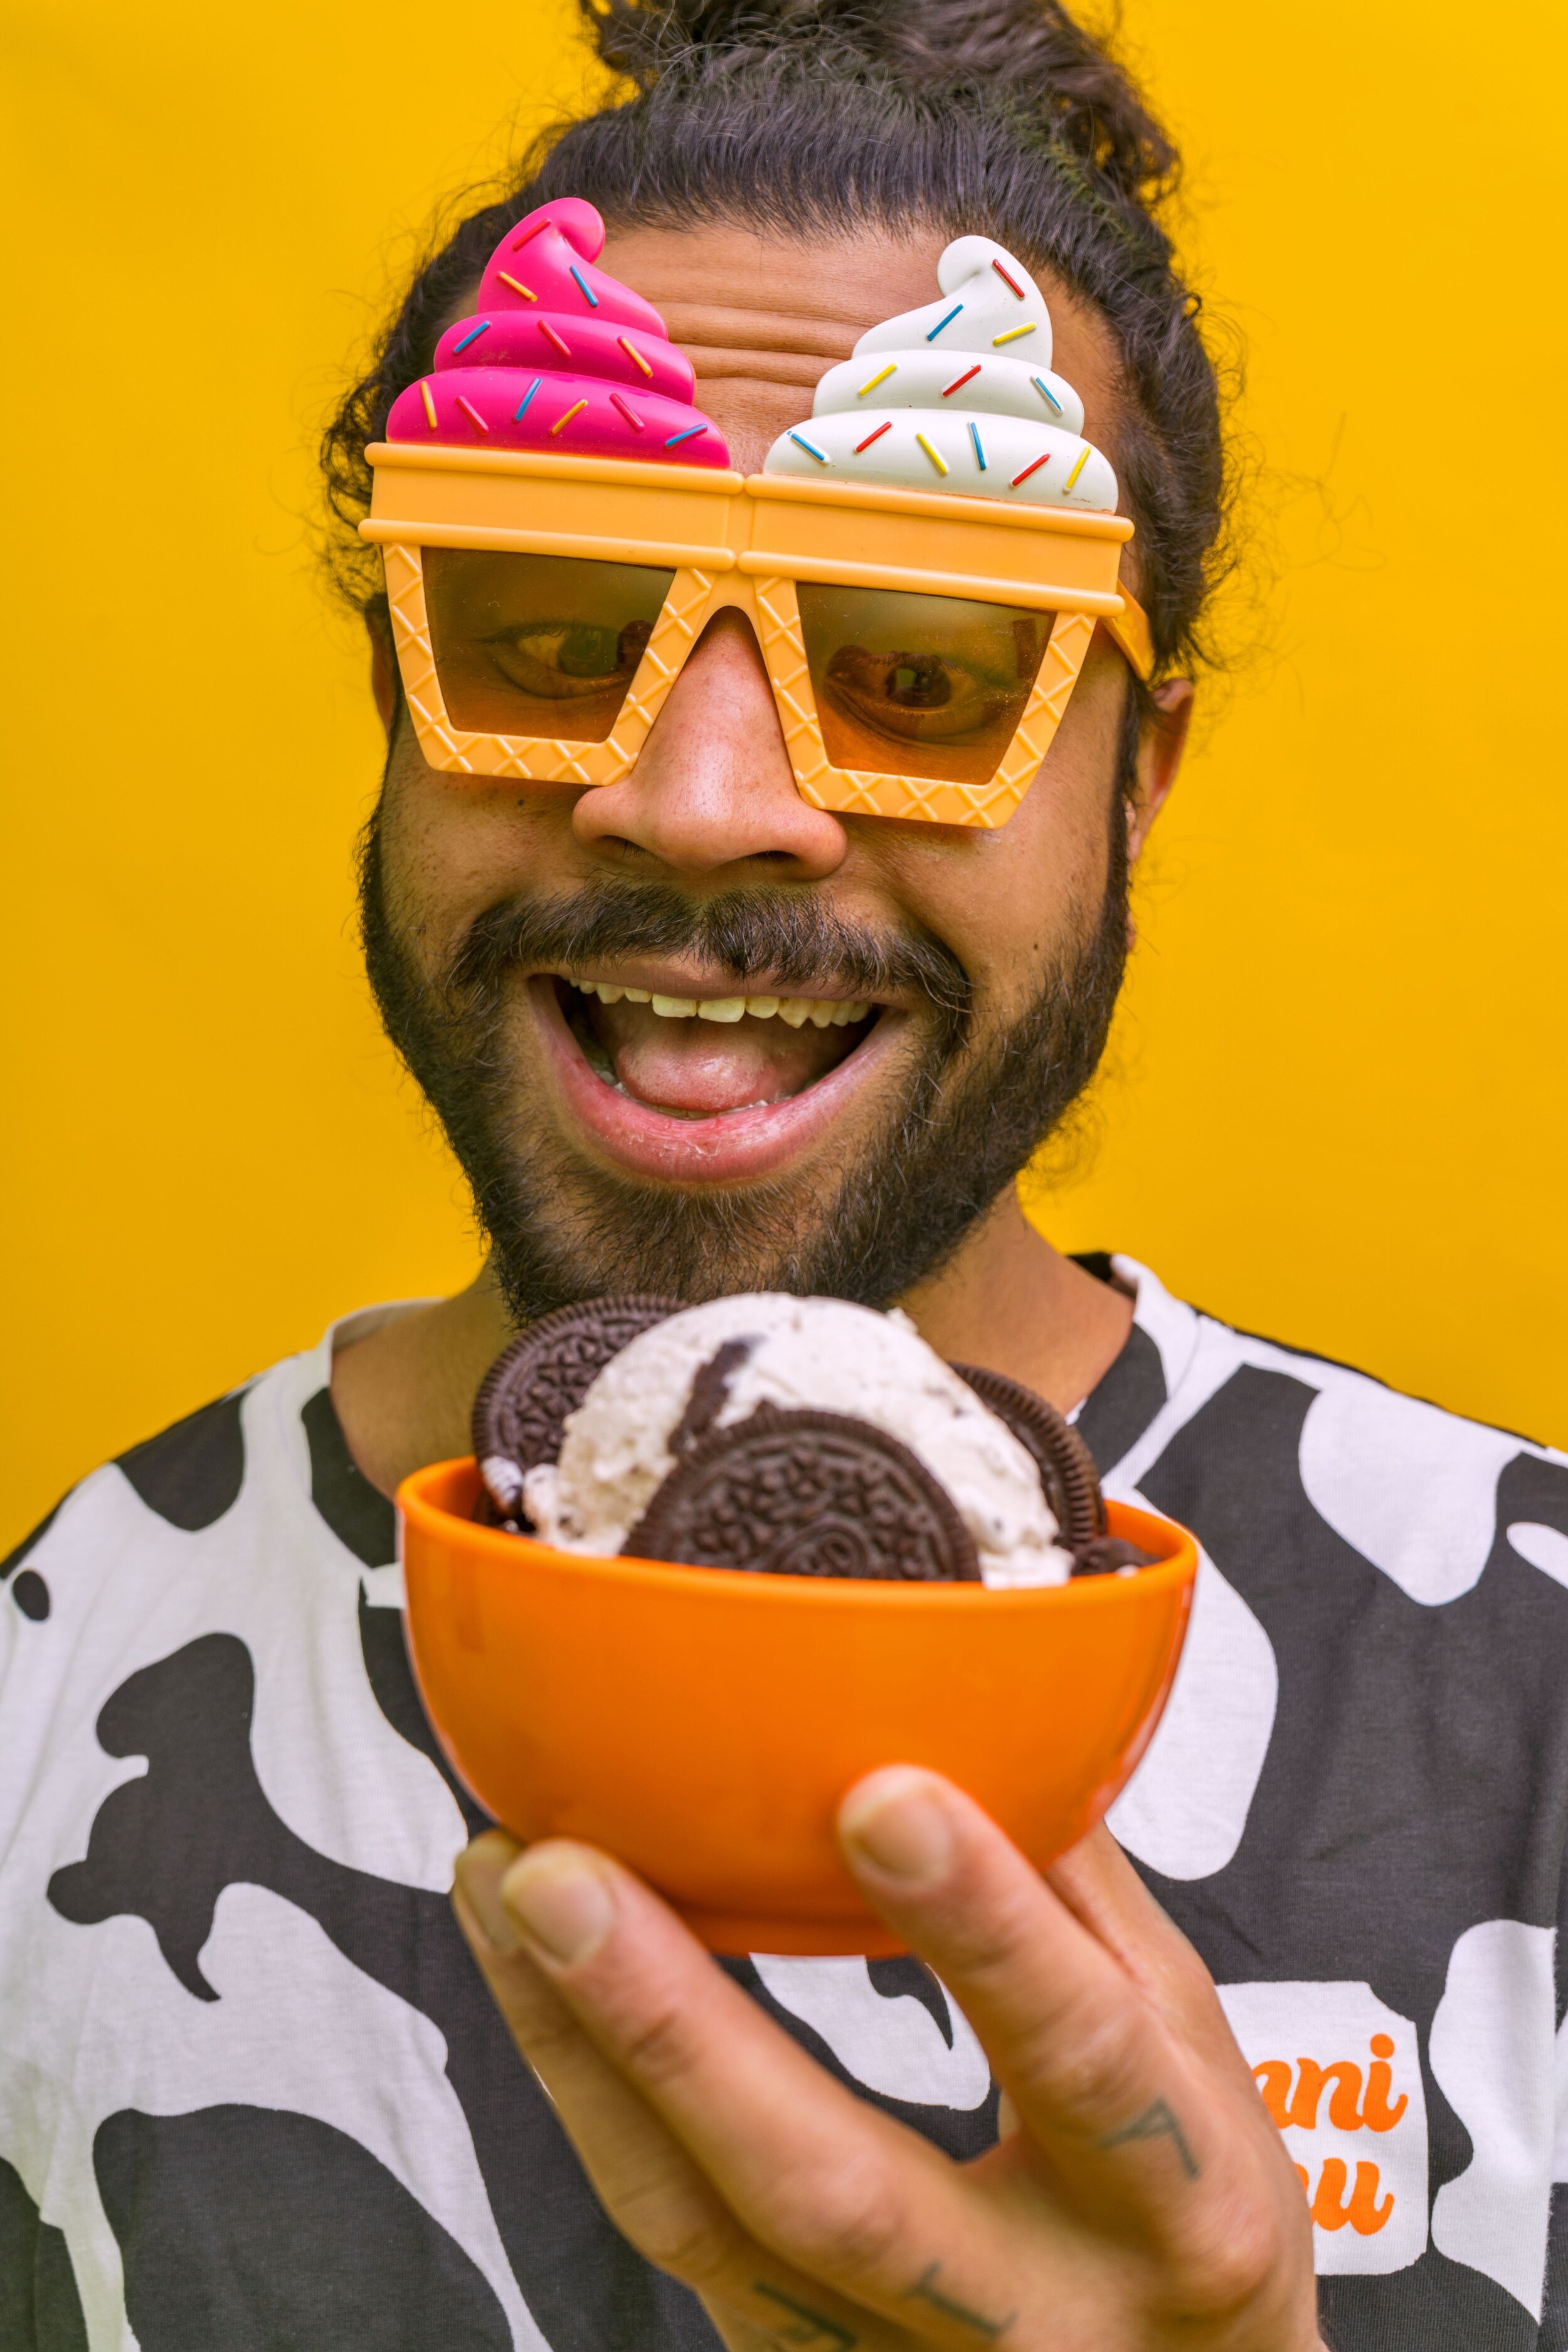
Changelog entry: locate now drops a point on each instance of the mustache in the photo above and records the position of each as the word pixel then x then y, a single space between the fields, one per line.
pixel 965 1117
pixel 797 940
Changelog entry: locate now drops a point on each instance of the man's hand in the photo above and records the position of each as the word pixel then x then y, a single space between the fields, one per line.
pixel 1139 2197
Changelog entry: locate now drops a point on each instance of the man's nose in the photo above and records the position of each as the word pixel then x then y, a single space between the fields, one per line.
pixel 713 786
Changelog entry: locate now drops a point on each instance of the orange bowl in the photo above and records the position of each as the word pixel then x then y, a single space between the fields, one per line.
pixel 702 1724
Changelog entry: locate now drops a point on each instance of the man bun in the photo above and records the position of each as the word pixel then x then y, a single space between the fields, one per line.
pixel 1030 49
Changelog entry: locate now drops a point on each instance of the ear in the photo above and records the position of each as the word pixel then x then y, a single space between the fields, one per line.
pixel 1161 744
pixel 382 671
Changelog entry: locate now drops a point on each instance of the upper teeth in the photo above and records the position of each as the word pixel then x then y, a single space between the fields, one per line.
pixel 822 1012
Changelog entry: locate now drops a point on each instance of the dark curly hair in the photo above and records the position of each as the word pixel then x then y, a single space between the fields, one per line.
pixel 815 116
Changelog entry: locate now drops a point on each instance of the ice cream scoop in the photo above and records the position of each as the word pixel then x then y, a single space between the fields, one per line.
pixel 689 1430
pixel 559 356
pixel 956 397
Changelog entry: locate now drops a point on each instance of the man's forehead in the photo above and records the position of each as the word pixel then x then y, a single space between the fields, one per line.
pixel 763 318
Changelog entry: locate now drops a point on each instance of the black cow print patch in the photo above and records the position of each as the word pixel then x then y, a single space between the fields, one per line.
pixel 252 2229
pixel 1120 1409
pixel 31 1595
pixel 1533 1493
pixel 191 1474
pixel 29 1591
pixel 962 2133
pixel 39 2304
pixel 164 1847
pixel 391 1678
pixel 1444 2306
pixel 357 1513
pixel 905 1978
pixel 200 1799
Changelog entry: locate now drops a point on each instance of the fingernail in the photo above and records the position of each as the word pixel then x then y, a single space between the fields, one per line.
pixel 478 1873
pixel 898 1823
pixel 559 1899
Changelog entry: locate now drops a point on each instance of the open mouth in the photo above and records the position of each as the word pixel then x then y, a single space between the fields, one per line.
pixel 706 1058
pixel 706 1088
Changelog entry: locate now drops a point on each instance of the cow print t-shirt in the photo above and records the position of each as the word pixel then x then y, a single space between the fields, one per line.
pixel 255 2098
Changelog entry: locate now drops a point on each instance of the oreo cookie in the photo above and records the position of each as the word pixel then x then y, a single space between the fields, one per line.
pixel 805 1494
pixel 1110 1556
pixel 1065 1465
pixel 793 1493
pixel 521 1410
pixel 1068 1474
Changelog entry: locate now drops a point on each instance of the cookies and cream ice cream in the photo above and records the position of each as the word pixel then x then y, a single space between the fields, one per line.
pixel 559 356
pixel 957 397
pixel 711 1368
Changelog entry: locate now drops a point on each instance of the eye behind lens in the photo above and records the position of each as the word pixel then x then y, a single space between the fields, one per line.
pixel 918 696
pixel 586 651
pixel 917 681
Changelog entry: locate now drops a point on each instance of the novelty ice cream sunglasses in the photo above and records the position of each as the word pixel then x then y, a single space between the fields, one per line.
pixel 558 524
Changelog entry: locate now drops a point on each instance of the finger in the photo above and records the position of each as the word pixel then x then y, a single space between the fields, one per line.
pixel 642 2174
pixel 1114 2098
pixel 824 2182
pixel 655 2193
pixel 1105 1894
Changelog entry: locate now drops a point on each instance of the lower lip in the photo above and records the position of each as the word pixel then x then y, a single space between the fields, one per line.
pixel 726 1149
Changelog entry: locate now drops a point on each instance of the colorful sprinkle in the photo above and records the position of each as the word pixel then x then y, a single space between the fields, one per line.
pixel 810 448
pixel 473 413
pixel 1084 457
pixel 945 322
pixel 471 337
pixel 1046 394
pixel 938 460
pixel 628 410
pixel 575 410
pixel 632 352
pixel 1012 282
pixel 891 369
pixel 517 286
pixel 1013 334
pixel 559 340
pixel 517 413
pixel 689 433
pixel 530 232
pixel 979 452
pixel 886 426
pixel 1029 469
pixel 959 380
pixel 429 405
pixel 584 288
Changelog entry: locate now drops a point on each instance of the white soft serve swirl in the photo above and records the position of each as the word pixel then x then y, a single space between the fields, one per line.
pixel 807 1352
pixel 903 383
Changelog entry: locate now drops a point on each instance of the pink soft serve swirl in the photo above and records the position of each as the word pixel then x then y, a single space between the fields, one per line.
pixel 559 356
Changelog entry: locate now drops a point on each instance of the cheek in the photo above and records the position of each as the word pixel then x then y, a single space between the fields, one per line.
pixel 1011 903
pixel 453 846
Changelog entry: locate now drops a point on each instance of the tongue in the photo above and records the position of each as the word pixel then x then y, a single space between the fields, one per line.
pixel 707 1067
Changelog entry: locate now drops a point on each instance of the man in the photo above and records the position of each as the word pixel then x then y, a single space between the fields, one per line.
pixel 253 2090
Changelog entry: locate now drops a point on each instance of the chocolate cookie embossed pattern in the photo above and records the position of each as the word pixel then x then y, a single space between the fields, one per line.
pixel 781 1543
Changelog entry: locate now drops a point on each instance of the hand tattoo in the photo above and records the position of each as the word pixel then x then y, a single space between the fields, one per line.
pixel 808 2326
pixel 1155 2123
pixel 924 2290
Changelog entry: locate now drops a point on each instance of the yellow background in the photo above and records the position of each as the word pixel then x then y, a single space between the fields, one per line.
pixel 1336 1110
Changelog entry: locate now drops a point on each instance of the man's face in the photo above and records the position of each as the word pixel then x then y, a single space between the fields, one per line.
pixel 612 1145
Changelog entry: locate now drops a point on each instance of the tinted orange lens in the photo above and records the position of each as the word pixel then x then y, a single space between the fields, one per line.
pixel 537 645
pixel 919 686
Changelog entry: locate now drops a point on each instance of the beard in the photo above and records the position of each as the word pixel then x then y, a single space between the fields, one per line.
pixel 892 1212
